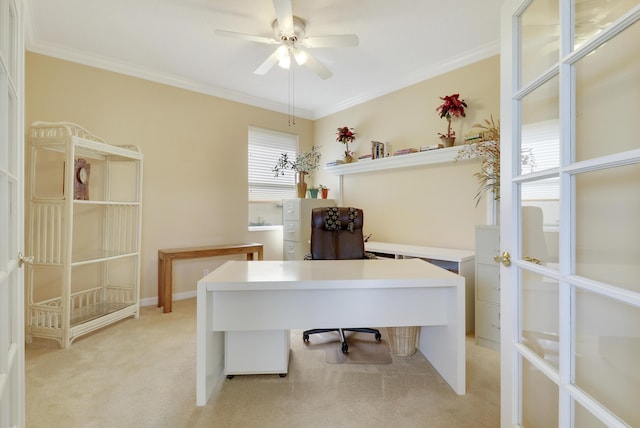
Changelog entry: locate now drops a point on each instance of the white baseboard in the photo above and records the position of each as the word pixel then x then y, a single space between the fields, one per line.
pixel 153 301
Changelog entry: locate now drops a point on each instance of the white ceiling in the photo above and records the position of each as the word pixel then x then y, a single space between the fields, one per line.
pixel 172 41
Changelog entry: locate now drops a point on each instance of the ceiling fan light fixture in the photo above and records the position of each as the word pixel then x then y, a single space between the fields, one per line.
pixel 285 63
pixel 300 56
pixel 284 58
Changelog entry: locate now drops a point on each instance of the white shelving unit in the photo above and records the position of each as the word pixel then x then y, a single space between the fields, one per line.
pixel 431 157
pixel 86 269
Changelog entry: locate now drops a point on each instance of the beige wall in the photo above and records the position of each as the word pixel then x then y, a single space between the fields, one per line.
pixel 195 157
pixel 423 205
pixel 195 154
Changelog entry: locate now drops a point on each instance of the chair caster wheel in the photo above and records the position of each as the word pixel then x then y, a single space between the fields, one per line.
pixel 305 337
pixel 230 376
pixel 345 348
pixel 282 375
pixel 378 337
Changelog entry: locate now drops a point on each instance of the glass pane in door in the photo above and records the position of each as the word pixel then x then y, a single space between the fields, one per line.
pixel 540 42
pixel 540 331
pixel 540 213
pixel 585 419
pixel 540 128
pixel 607 97
pixel 606 226
pixel 592 16
pixel 539 398
pixel 607 352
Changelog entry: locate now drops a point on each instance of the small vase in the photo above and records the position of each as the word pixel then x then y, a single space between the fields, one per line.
pixel 348 159
pixel 313 193
pixel 325 193
pixel 301 185
pixel 448 141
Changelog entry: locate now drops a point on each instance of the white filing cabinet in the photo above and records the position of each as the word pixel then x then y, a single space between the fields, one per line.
pixel 296 221
pixel 487 287
pixel 241 348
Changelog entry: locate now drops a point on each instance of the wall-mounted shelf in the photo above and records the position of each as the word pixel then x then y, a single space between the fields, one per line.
pixel 430 157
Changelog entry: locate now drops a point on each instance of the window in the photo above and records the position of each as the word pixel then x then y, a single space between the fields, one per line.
pixel 266 191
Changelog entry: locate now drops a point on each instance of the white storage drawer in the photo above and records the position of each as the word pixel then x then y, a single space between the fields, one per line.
pixel 295 250
pixel 256 352
pixel 487 286
pixel 488 321
pixel 488 244
pixel 291 230
pixel 488 283
pixel 291 209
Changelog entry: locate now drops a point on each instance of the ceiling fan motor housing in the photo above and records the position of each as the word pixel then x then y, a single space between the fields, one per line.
pixel 299 31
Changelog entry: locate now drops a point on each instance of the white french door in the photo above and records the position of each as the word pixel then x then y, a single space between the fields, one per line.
pixel 12 394
pixel 570 213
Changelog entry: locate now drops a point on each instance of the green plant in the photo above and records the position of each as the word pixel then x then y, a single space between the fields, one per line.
pixel 304 162
pixel 489 152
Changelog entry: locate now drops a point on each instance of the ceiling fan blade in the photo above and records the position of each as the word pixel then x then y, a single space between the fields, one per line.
pixel 284 13
pixel 319 68
pixel 243 36
pixel 267 64
pixel 345 40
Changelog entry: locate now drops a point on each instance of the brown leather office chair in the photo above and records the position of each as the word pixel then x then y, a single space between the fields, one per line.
pixel 336 234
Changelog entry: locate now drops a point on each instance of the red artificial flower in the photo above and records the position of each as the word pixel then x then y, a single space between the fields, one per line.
pixel 452 106
pixel 346 135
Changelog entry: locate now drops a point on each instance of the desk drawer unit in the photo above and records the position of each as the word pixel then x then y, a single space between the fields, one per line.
pixel 256 352
pixel 296 225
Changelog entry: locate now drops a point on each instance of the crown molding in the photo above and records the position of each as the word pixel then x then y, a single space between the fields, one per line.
pixel 128 69
pixel 91 60
pixel 469 57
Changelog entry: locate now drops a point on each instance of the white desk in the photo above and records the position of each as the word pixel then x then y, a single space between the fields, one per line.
pixel 282 295
pixel 461 262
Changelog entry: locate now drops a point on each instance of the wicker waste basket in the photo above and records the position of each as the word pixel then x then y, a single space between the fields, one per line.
pixel 402 340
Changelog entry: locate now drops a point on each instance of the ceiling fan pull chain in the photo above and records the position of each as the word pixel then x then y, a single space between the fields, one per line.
pixel 292 107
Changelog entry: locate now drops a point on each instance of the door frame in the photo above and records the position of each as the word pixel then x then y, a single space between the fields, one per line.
pixel 12 364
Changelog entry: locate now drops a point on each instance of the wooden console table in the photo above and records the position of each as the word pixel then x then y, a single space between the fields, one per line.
pixel 167 256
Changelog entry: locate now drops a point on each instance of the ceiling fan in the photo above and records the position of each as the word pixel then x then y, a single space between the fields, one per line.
pixel 289 32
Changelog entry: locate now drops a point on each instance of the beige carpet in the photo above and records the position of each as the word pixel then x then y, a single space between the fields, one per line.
pixel 141 373
pixel 363 347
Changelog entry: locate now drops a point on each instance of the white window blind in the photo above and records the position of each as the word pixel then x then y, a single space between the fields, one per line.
pixel 265 147
pixel 541 145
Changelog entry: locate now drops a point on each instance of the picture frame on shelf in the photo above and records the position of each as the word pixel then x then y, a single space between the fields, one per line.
pixel 81 172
